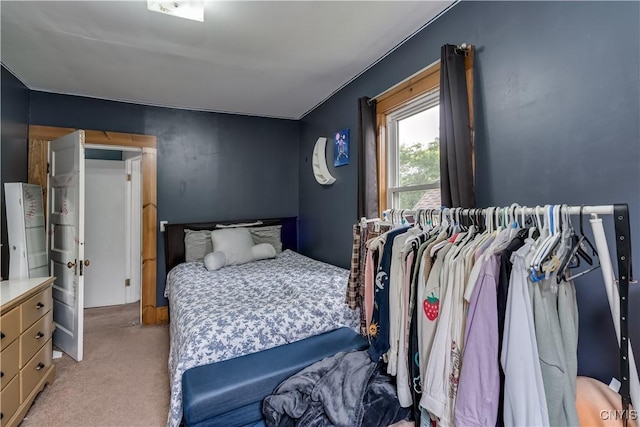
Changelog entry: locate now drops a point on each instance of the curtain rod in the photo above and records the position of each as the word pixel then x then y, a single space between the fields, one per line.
pixel 463 46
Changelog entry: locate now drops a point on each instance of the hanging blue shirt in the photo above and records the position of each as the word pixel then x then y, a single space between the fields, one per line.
pixel 380 318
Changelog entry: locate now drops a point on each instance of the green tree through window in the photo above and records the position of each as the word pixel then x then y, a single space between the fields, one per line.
pixel 419 164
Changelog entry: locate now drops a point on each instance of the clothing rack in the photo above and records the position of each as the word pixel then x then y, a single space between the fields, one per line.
pixel 623 256
pixel 517 209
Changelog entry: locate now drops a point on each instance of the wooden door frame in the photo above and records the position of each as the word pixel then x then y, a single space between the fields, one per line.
pixel 38 138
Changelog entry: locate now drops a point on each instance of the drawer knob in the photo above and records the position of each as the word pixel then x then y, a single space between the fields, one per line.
pixel 2 335
pixel 1 374
pixel 1 415
pixel 71 264
pixel 39 305
pixel 39 335
pixel 40 366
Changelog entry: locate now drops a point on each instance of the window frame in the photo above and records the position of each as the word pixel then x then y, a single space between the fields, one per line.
pixel 422 103
pixel 395 99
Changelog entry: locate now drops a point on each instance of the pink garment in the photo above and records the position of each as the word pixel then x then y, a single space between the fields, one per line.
pixel 369 291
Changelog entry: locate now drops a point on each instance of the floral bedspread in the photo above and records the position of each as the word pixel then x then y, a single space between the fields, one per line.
pixel 242 309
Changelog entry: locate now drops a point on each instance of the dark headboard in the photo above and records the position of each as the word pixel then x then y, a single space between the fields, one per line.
pixel 174 236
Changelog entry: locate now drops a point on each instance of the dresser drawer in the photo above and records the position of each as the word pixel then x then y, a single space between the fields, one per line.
pixel 9 327
pixel 33 308
pixel 9 363
pixel 9 400
pixel 34 338
pixel 35 370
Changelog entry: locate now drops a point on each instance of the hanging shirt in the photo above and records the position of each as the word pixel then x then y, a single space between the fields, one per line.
pixel 379 328
pixel 503 289
pixel 561 402
pixel 434 291
pixel 417 311
pixel 479 387
pixel 568 314
pixel 396 297
pixel 525 403
pixel 369 269
pixel 367 233
pixel 403 381
pixel 443 367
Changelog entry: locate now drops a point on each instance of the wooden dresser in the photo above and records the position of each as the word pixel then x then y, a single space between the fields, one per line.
pixel 26 329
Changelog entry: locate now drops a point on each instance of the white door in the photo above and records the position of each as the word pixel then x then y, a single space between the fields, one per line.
pixel 106 241
pixel 133 201
pixel 65 219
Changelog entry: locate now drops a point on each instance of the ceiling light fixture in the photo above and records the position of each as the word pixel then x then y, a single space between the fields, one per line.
pixel 193 10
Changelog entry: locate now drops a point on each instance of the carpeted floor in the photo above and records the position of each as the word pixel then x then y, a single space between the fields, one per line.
pixel 122 381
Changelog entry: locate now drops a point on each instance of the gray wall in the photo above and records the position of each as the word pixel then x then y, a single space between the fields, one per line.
pixel 13 145
pixel 557 121
pixel 210 166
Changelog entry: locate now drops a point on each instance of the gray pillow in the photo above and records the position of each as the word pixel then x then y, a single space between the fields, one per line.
pixel 196 245
pixel 268 234
pixel 263 251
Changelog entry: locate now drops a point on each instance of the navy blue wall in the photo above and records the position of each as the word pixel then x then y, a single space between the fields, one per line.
pixel 557 121
pixel 210 166
pixel 13 145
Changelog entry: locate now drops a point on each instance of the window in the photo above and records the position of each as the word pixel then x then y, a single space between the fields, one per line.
pixel 413 154
pixel 408 121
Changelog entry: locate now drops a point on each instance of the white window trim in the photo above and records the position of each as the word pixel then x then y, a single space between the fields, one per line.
pixel 426 101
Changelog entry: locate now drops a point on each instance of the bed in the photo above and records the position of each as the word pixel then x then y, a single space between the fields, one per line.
pixel 244 309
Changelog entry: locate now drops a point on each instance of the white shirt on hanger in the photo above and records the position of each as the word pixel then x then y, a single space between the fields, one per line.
pixel 396 297
pixel 524 396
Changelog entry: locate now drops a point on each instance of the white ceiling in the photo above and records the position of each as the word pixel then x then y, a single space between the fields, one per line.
pixel 267 58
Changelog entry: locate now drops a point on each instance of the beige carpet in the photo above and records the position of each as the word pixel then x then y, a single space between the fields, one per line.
pixel 122 381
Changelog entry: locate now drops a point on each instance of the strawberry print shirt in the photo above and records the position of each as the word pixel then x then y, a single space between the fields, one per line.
pixel 436 286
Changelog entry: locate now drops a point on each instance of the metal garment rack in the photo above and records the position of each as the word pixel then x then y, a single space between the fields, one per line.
pixel 623 256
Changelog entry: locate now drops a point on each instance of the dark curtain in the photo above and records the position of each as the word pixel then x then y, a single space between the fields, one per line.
pixel 456 168
pixel 367 159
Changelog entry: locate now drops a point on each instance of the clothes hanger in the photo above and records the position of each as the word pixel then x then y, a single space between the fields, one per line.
pixel 557 249
pixel 502 232
pixel 545 237
pixel 446 226
pixel 537 224
pixel 575 253
pixel 546 254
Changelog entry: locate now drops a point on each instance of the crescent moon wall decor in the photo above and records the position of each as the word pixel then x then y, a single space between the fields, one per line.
pixel 319 160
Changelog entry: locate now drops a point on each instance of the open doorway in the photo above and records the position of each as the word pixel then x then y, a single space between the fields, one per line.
pixel 113 207
pixel 39 137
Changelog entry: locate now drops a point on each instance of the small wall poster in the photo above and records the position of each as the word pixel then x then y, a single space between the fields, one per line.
pixel 341 148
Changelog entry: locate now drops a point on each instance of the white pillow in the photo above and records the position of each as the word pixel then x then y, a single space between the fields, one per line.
pixel 235 243
pixel 215 260
pixel 263 251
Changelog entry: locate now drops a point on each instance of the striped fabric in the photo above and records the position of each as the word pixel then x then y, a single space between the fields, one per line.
pixel 353 286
